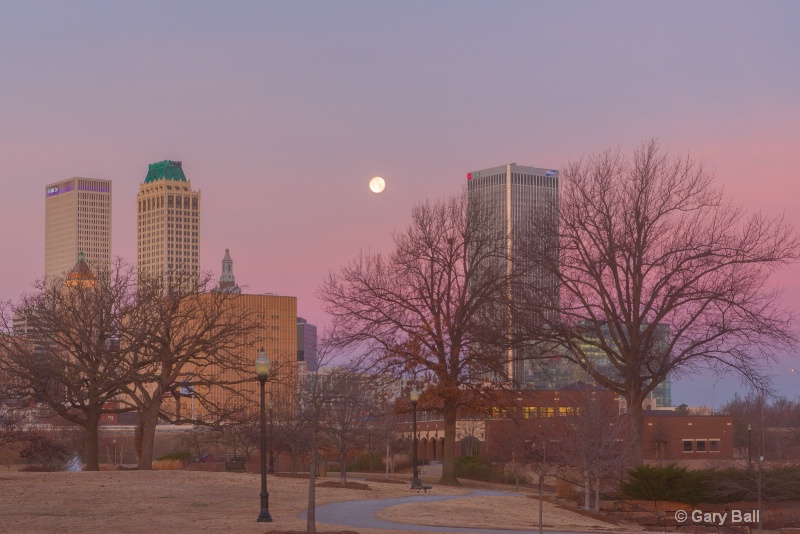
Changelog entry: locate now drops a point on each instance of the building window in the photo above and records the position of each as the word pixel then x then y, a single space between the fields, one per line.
pixel 700 445
pixel 687 445
pixel 713 445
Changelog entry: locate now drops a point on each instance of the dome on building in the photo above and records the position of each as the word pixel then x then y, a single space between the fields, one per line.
pixel 81 274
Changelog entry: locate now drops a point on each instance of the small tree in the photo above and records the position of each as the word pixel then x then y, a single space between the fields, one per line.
pixel 597 440
pixel 347 419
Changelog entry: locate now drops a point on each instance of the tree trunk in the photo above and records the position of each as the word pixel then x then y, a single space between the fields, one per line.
pixel 146 428
pixel 343 469
pixel 541 501
pixel 449 449
pixel 311 516
pixel 635 426
pixel 92 447
pixel 597 495
pixel 587 491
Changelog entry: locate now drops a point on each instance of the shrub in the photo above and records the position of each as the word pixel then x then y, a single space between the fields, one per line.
pixel 45 452
pixel 168 465
pixel 401 464
pixel 566 489
pixel 177 455
pixel 669 483
pixel 473 467
pixel 362 463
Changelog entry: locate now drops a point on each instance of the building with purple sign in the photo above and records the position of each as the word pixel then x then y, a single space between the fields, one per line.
pixel 77 219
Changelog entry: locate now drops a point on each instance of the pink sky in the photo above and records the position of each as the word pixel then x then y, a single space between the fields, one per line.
pixel 282 112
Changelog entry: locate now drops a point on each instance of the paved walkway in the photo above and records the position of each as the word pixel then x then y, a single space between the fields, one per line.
pixel 361 514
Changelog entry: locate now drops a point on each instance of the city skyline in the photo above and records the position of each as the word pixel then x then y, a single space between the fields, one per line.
pixel 281 119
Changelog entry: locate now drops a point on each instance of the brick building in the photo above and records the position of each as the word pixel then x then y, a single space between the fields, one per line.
pixel 533 416
pixel 671 436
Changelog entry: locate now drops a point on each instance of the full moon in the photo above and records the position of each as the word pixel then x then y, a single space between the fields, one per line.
pixel 377 184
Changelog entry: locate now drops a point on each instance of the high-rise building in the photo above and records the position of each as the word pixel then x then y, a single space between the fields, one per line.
pixel 276 317
pixel 168 230
pixel 307 344
pixel 77 219
pixel 519 200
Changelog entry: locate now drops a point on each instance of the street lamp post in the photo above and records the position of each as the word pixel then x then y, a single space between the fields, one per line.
pixel 415 482
pixel 749 444
pixel 271 456
pixel 262 372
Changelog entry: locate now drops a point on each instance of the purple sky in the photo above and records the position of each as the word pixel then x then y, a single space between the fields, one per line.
pixel 282 112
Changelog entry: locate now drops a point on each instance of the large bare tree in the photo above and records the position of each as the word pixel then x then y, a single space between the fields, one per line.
pixel 434 307
pixel 69 357
pixel 660 274
pixel 186 339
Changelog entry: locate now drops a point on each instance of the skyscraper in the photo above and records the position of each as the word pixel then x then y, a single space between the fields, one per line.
pixel 168 230
pixel 307 344
pixel 522 202
pixel 77 219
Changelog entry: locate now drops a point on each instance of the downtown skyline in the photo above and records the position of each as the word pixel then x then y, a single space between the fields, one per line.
pixel 282 113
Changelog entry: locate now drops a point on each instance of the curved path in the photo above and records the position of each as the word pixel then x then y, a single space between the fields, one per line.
pixel 361 514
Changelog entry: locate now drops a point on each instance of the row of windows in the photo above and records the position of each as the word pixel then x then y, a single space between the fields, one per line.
pixel 529 412
pixel 534 180
pixel 91 185
pixel 146 205
pixel 701 445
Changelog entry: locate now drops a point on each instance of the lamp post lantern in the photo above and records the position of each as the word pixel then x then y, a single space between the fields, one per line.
pixel 262 365
pixel 415 482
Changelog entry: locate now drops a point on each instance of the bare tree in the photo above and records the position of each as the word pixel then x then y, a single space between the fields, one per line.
pixel 199 441
pixel 70 358
pixel 185 337
pixel 314 404
pixel 436 307
pixel 292 433
pixel 659 274
pixel 345 423
pixel 12 427
pixel 543 455
pixel 597 444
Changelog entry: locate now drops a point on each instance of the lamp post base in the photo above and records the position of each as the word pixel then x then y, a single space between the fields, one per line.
pixel 264 516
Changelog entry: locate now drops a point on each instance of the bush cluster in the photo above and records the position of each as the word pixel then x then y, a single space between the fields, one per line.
pixel 676 483
pixel 362 462
pixel 177 455
pixel 477 468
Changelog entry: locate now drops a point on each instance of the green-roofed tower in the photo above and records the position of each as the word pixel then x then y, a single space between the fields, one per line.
pixel 165 170
pixel 168 230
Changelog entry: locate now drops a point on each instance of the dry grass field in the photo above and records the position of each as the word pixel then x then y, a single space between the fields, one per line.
pixel 191 501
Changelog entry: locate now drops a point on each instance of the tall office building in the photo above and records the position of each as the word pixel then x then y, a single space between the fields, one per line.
pixel 517 199
pixel 307 344
pixel 168 230
pixel 77 219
